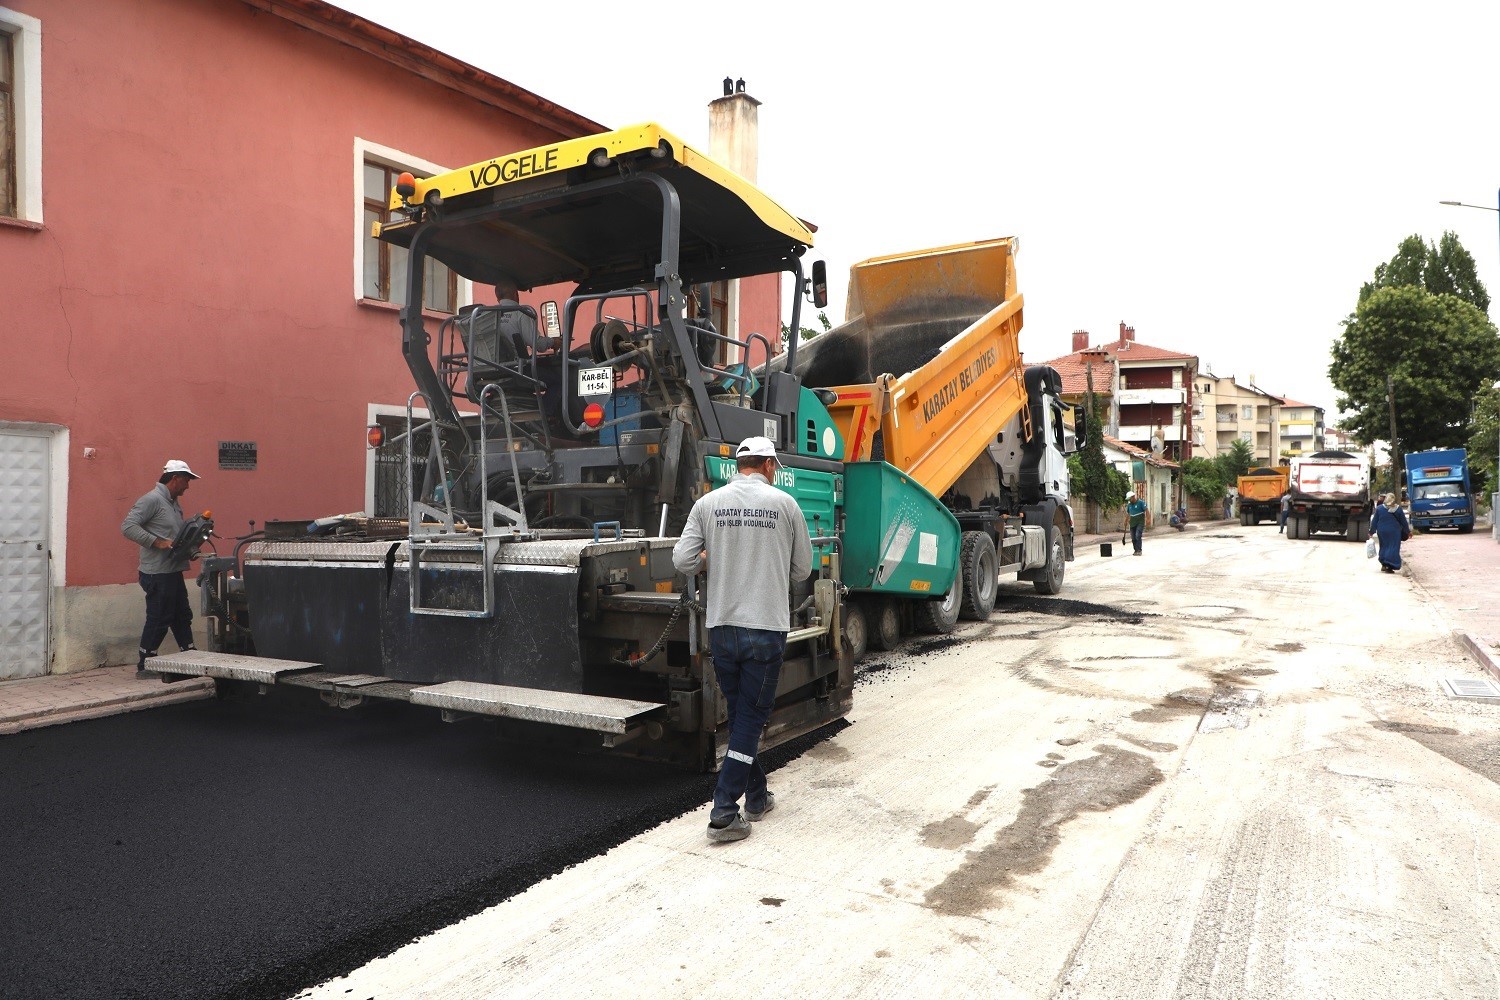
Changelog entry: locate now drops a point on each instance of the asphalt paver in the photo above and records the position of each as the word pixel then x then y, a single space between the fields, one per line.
pixel 250 849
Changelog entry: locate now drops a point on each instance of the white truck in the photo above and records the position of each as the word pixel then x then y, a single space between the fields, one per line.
pixel 1330 493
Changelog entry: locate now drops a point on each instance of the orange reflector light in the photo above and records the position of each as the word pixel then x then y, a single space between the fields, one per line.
pixel 208 514
pixel 406 184
pixel 593 415
pixel 375 435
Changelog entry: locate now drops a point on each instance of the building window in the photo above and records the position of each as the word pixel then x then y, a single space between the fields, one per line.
pixel 1247 413
pixel 385 263
pixel 1247 436
pixel 7 128
pixel 20 116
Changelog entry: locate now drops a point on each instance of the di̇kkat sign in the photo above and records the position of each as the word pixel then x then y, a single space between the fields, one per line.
pixel 238 455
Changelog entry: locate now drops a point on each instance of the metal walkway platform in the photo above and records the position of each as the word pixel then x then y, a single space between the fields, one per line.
pixel 558 708
pixel 227 666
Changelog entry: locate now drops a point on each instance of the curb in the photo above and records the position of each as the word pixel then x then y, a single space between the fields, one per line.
pixel 1482 649
pixel 100 709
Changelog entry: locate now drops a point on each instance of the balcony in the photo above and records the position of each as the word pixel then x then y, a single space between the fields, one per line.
pixel 1139 397
pixel 1227 418
pixel 1133 433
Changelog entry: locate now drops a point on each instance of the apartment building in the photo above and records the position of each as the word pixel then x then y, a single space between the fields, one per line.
pixel 1226 410
pixel 1301 428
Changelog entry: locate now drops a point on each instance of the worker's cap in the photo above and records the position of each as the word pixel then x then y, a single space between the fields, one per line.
pixel 1130 496
pixel 755 447
pixel 177 467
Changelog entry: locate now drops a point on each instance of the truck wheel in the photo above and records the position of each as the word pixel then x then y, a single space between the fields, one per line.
pixel 1464 529
pixel 1051 582
pixel 1351 530
pixel 856 630
pixel 976 565
pixel 885 625
pixel 941 617
pixel 1364 530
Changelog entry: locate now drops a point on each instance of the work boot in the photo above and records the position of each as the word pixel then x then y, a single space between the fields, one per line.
pixel 141 673
pixel 754 816
pixel 735 829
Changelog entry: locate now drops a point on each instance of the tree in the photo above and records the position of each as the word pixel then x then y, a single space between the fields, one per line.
pixel 1444 269
pixel 1202 479
pixel 808 333
pixel 1235 462
pixel 1089 474
pixel 1437 349
pixel 1484 439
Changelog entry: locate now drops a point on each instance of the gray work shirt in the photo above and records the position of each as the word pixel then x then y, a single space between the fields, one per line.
pixel 155 515
pixel 757 546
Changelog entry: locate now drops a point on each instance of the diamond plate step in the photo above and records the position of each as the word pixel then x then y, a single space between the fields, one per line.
pixel 558 708
pixel 226 666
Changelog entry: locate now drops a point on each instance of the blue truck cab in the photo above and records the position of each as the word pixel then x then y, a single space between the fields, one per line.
pixel 1437 482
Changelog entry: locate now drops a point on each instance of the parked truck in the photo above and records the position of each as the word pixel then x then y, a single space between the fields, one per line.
pixel 1330 493
pixel 531 580
pixel 1437 482
pixel 1260 492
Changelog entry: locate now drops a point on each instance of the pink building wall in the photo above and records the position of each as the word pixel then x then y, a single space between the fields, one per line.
pixel 194 279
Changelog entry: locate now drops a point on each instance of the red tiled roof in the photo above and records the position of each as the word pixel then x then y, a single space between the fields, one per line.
pixel 1071 366
pixel 1074 372
pixel 1140 453
pixel 1292 403
pixel 1136 351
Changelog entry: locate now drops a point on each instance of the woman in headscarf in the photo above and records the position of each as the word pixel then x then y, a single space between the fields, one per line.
pixel 1390 526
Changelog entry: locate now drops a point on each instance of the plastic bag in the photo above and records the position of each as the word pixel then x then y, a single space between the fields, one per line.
pixel 1370 547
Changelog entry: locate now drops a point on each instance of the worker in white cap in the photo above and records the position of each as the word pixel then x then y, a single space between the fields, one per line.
pixel 153 524
pixel 753 541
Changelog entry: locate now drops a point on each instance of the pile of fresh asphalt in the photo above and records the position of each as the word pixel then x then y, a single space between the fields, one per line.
pixel 249 849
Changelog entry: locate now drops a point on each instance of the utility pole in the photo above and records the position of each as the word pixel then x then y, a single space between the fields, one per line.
pixel 1390 402
pixel 1096 522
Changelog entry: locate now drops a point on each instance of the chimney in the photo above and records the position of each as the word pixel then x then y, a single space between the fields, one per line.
pixel 733 130
pixel 1080 340
pixel 1123 338
pixel 1130 333
pixel 734 141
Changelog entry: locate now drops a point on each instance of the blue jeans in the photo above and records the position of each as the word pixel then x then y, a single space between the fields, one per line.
pixel 1136 531
pixel 167 608
pixel 747 663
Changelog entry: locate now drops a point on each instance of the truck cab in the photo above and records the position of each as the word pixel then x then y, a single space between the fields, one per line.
pixel 1437 483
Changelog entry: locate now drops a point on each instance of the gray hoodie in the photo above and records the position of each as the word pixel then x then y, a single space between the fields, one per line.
pixel 155 515
pixel 757 545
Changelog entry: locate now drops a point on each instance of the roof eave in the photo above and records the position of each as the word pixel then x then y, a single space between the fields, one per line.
pixel 429 63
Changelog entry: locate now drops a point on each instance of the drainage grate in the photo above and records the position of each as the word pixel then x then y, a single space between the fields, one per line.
pixel 1470 689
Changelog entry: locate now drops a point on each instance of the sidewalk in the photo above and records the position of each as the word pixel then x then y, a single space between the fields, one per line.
pixel 33 702
pixel 1461 574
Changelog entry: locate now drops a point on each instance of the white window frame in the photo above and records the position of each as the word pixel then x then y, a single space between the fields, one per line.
pixel 27 42
pixel 366 150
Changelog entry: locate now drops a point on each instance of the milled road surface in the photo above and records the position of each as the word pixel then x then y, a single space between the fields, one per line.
pixel 1224 769
pixel 249 849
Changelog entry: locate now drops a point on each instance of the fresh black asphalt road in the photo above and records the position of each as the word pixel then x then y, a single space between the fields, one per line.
pixel 251 849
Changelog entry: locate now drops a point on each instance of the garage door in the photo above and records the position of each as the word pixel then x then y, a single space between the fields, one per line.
pixel 24 580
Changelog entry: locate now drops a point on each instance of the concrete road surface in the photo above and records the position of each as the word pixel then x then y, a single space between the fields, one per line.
pixel 1223 769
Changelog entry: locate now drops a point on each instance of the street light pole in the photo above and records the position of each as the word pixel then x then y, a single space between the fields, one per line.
pixel 1495 491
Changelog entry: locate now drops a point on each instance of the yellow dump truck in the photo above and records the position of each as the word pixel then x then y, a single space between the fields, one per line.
pixel 1260 493
pixel 927 378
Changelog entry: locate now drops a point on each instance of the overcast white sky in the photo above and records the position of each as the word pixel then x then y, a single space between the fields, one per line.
pixel 1221 177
